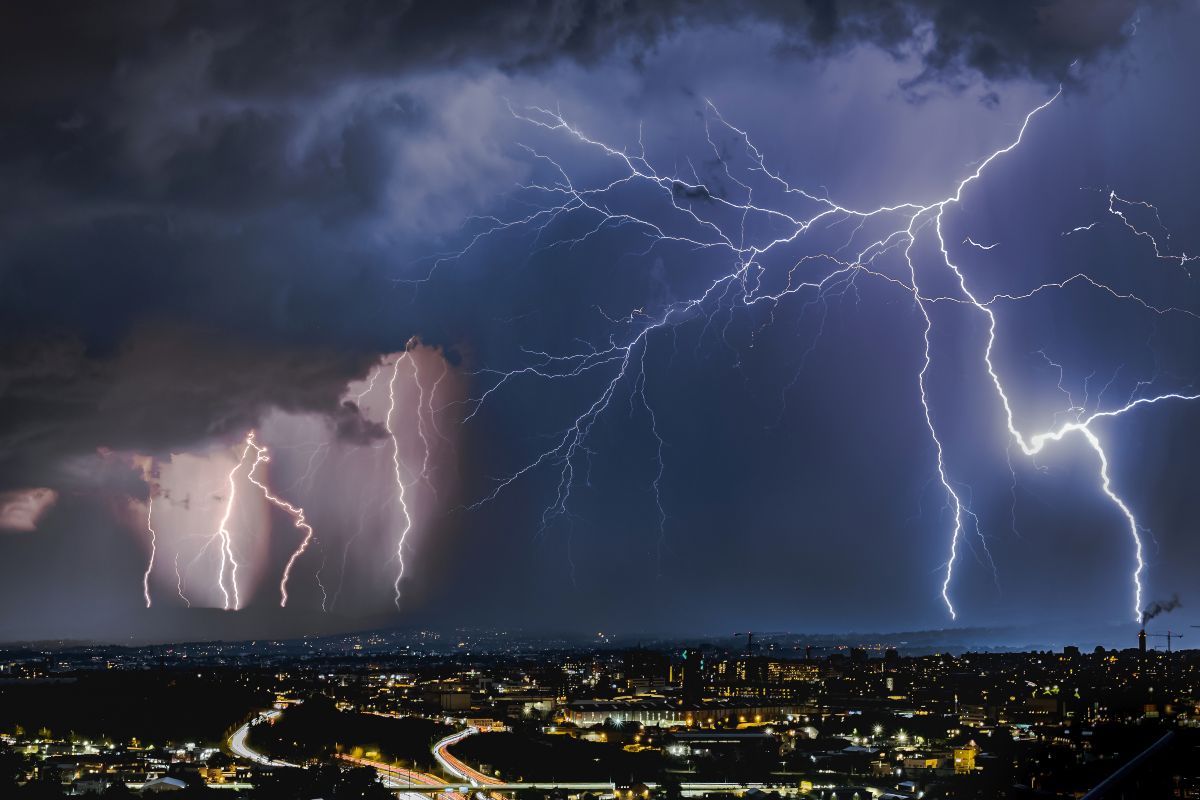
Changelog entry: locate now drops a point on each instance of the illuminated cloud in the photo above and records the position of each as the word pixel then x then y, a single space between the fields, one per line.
pixel 21 509
pixel 359 482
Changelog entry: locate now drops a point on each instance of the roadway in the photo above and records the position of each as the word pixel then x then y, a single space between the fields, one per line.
pixel 603 787
pixel 454 766
pixel 390 776
pixel 413 785
pixel 240 748
pixel 441 751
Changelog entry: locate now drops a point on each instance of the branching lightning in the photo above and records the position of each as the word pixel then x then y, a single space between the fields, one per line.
pixel 297 514
pixel 153 549
pixel 1115 204
pixel 622 358
pixel 249 466
pixel 228 564
pixel 400 487
pixel 416 376
pixel 225 538
pixel 179 583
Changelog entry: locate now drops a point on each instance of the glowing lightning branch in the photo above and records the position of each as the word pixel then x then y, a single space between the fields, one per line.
pixel 424 404
pixel 1033 446
pixel 400 488
pixel 955 501
pixel 179 583
pixel 433 422
pixel 621 359
pixel 416 375
pixel 297 514
pixel 976 244
pixel 1114 201
pixel 153 549
pixel 225 537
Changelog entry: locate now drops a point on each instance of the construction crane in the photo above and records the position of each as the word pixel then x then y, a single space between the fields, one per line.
pixel 749 640
pixel 751 634
pixel 1169 635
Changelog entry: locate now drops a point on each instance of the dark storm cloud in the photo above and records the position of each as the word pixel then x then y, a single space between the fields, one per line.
pixel 171 108
pixel 152 146
pixel 352 427
pixel 163 388
pixel 206 203
pixel 184 139
pixel 277 48
pixel 286 48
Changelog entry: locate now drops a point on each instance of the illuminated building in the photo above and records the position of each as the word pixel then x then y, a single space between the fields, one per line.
pixel 665 713
pixel 964 759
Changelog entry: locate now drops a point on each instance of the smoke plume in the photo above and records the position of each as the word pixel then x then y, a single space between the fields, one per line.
pixel 1160 607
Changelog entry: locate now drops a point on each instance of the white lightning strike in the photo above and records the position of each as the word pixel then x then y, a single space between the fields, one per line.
pixel 424 404
pixel 433 422
pixel 179 583
pixel 346 547
pixel 153 549
pixel 400 487
pixel 976 244
pixel 416 375
pixel 261 456
pixel 358 398
pixel 321 584
pixel 1113 200
pixel 225 538
pixel 622 357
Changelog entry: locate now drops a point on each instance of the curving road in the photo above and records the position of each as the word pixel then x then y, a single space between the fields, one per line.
pixel 239 746
pixel 391 776
pixel 414 785
pixel 456 767
pixel 399 778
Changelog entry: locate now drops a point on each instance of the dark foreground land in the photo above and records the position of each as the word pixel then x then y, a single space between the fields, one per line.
pixel 632 722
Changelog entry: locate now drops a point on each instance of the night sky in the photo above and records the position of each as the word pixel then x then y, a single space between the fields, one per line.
pixel 365 232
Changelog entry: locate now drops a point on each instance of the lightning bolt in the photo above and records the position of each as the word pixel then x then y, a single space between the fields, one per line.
pixel 254 455
pixel 1114 201
pixel 322 449
pixel 179 583
pixel 224 537
pixel 433 421
pixel 346 547
pixel 977 245
pixel 261 456
pixel 416 376
pixel 400 487
pixel 321 584
pixel 358 398
pixel 424 405
pixel 621 359
pixel 153 549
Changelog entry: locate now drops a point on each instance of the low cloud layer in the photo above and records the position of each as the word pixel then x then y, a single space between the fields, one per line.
pixel 20 509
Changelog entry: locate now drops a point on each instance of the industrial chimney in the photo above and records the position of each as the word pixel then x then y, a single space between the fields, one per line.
pixel 1142 641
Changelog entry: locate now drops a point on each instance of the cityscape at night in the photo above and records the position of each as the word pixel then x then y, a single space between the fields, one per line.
pixel 495 713
pixel 600 399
